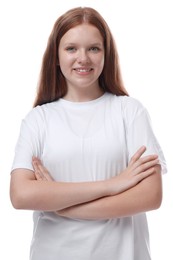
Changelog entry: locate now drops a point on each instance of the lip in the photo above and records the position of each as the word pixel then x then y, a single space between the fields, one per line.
pixel 83 70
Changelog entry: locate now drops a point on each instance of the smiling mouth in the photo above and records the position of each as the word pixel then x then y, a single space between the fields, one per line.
pixel 83 70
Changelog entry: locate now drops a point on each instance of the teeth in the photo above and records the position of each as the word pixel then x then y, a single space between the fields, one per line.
pixel 83 70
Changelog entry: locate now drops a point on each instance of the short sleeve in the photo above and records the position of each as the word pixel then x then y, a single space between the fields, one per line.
pixel 139 131
pixel 29 142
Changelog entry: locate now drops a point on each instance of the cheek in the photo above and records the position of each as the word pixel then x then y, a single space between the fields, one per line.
pixel 65 61
pixel 100 63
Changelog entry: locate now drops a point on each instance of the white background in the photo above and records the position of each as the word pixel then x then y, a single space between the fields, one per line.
pixel 144 36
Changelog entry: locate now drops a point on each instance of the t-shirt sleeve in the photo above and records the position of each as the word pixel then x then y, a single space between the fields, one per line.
pixel 29 142
pixel 139 131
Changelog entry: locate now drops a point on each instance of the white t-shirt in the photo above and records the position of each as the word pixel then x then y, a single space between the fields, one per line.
pixel 87 141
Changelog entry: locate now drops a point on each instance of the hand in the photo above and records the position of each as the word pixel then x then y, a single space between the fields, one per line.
pixel 41 173
pixel 138 169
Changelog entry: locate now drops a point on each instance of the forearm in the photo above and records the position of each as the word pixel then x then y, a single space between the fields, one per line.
pixel 51 196
pixel 37 190
pixel 145 196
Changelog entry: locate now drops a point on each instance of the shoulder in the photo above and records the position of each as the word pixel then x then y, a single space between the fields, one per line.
pixel 129 108
pixel 133 110
pixel 132 105
pixel 39 114
pixel 126 103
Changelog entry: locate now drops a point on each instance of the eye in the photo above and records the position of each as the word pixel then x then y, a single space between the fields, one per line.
pixel 71 49
pixel 94 49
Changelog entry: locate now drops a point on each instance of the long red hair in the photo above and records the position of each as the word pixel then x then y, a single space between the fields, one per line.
pixel 52 84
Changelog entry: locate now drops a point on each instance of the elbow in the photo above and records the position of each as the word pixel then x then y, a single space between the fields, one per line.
pixel 15 204
pixel 155 190
pixel 18 196
pixel 16 199
pixel 20 190
pixel 157 200
pixel 156 197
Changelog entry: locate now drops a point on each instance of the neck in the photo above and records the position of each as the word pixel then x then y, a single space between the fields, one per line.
pixel 83 96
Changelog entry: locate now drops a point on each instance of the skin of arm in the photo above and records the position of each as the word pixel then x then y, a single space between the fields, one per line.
pixel 38 191
pixel 27 192
pixel 145 196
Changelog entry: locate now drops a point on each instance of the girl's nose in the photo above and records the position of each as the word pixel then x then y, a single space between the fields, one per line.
pixel 83 57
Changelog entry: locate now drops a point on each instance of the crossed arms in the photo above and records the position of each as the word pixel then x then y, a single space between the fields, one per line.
pixel 136 189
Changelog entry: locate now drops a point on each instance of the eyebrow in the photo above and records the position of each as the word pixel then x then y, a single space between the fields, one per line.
pixel 73 43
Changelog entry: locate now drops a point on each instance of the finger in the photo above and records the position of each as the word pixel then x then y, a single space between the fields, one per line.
pixel 42 170
pixel 145 174
pixel 138 154
pixel 35 163
pixel 35 166
pixel 38 173
pixel 147 160
pixel 39 176
pixel 144 167
pixel 45 172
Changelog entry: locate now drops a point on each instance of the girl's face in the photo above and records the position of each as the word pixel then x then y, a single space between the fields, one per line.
pixel 81 59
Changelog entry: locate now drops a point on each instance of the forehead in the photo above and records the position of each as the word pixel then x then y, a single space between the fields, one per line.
pixel 82 33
